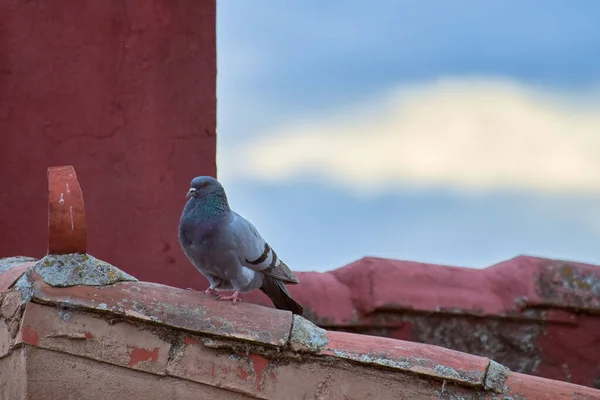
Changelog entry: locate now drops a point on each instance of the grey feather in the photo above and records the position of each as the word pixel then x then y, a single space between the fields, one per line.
pixel 228 250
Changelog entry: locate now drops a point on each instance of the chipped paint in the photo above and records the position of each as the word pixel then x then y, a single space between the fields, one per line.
pixel 190 340
pixel 259 364
pixel 243 373
pixel 137 355
pixel 29 335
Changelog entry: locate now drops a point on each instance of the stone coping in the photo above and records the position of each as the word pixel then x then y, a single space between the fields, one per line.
pixel 153 328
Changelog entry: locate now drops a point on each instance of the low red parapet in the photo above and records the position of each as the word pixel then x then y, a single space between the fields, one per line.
pixel 537 316
pixel 514 288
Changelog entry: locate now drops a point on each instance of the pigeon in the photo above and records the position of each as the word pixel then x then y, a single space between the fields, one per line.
pixel 228 250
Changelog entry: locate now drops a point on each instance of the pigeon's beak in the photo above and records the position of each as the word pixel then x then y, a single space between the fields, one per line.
pixel 190 193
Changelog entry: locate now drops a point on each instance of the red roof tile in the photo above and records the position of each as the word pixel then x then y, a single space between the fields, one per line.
pixel 179 308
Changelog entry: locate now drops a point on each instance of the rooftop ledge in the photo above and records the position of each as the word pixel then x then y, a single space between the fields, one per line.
pixel 147 332
pixel 75 327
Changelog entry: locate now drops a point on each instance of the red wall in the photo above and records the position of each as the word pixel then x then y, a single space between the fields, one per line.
pixel 125 92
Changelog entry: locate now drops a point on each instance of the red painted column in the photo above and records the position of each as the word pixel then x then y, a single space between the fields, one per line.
pixel 124 91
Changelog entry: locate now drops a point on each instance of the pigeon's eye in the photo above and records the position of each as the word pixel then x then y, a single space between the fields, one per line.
pixel 205 184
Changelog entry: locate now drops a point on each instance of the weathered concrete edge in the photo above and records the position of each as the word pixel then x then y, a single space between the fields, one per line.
pixel 440 372
pixel 495 377
pixel 306 336
pixel 307 331
pixel 37 296
pixel 64 270
pixel 8 263
pixel 309 338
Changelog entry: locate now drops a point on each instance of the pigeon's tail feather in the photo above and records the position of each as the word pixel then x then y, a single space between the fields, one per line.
pixel 279 295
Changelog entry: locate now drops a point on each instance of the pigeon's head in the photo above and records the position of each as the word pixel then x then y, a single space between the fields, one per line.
pixel 203 186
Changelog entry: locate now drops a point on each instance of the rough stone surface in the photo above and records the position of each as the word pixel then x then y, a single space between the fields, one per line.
pixel 13 379
pixel 493 338
pixel 25 287
pixel 306 336
pixel 5 338
pixel 79 269
pixel 8 263
pixel 495 377
pixel 14 273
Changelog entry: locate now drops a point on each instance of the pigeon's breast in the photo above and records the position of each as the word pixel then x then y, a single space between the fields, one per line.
pixel 213 250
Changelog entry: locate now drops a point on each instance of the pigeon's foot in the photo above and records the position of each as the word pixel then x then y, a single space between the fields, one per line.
pixel 211 292
pixel 234 297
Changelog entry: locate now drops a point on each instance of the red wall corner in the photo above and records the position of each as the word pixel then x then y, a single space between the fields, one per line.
pixel 125 92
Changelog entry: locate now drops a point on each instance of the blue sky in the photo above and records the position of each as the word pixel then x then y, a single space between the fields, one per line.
pixel 460 133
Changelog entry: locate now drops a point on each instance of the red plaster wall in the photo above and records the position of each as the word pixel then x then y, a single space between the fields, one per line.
pixel 125 92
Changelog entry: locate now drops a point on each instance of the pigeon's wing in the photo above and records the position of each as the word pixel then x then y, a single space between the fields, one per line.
pixel 255 253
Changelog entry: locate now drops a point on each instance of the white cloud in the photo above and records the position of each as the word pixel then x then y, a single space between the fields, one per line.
pixel 466 134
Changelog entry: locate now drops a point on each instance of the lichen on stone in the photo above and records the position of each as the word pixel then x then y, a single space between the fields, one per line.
pixel 10 262
pixel 495 377
pixel 79 269
pixel 306 336
pixel 25 287
pixel 375 359
pixel 446 371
